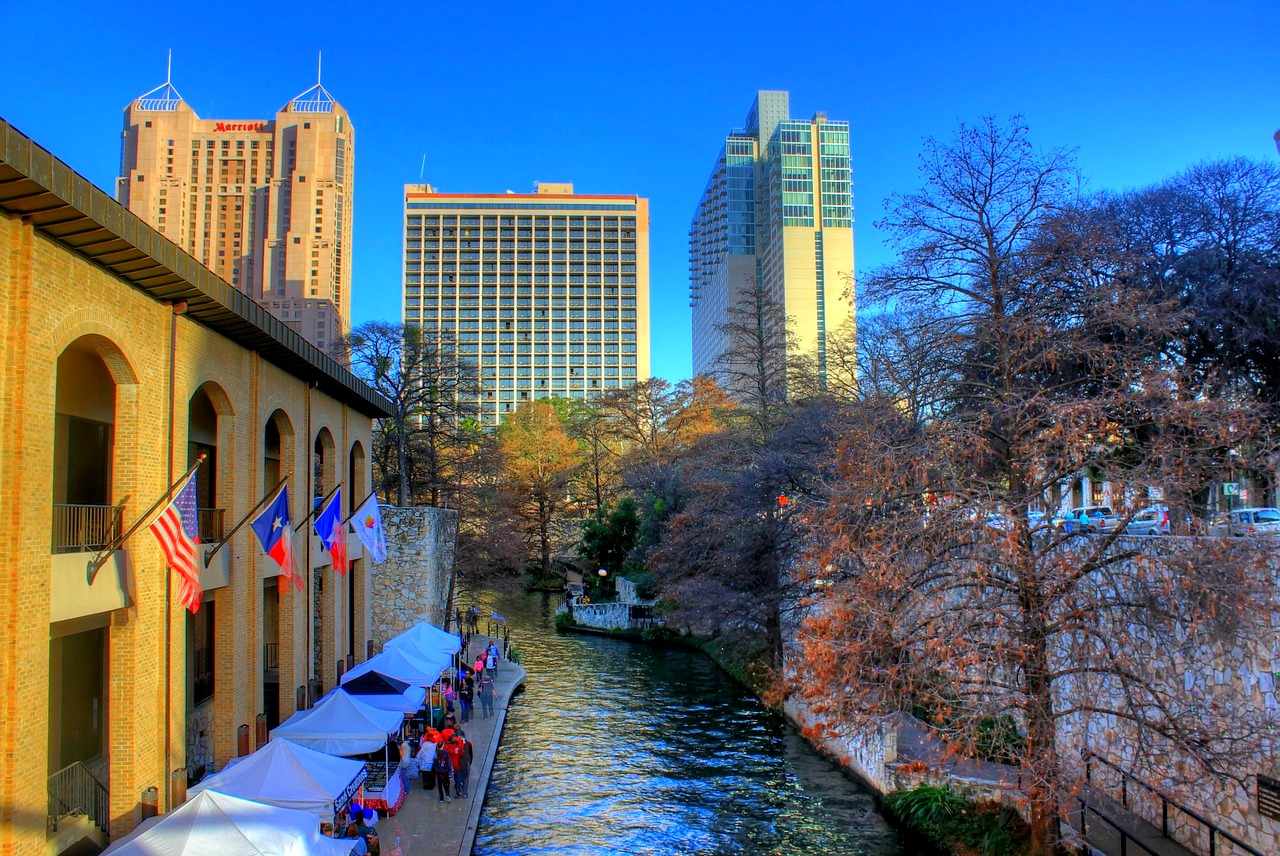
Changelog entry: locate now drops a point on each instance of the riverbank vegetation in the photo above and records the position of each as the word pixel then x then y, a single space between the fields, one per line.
pixel 877 516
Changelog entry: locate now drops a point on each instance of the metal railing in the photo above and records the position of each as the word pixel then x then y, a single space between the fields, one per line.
pixel 85 528
pixel 1209 828
pixel 271 656
pixel 1125 837
pixel 74 791
pixel 210 522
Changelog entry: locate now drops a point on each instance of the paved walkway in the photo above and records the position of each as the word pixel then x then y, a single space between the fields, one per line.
pixel 424 825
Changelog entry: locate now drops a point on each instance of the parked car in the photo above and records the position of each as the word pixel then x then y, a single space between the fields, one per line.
pixel 1089 519
pixel 1245 522
pixel 1153 520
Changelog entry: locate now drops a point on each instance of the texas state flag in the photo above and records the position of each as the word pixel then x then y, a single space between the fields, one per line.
pixel 332 531
pixel 276 536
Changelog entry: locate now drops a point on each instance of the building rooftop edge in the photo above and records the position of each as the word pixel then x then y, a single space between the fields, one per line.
pixel 542 197
pixel 46 192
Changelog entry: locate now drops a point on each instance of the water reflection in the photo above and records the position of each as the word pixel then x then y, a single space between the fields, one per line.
pixel 629 749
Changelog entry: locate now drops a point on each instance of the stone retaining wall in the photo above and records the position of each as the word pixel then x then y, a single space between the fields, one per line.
pixel 412 585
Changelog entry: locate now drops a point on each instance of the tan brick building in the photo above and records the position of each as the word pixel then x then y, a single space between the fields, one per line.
pixel 266 204
pixel 123 359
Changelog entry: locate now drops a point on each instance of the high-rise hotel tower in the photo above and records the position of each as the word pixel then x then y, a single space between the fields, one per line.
pixel 546 294
pixel 777 210
pixel 264 203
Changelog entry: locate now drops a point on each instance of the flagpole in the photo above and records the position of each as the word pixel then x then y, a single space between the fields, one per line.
pixel 208 557
pixel 358 507
pixel 317 506
pixel 100 559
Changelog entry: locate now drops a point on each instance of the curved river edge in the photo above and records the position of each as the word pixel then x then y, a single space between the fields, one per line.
pixel 861 757
pixel 599 752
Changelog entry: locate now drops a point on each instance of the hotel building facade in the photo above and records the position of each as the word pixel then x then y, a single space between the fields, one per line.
pixel 545 294
pixel 266 204
pixel 777 210
pixel 126 361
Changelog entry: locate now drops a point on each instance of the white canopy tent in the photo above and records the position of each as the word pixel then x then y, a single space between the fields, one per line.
pixel 427 640
pixel 341 725
pixel 408 702
pixel 287 775
pixel 212 822
pixel 403 665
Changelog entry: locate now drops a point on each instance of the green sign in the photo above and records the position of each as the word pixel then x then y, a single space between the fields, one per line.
pixel 1231 488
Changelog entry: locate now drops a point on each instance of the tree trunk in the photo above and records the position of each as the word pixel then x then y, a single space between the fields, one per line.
pixel 402 460
pixel 1042 754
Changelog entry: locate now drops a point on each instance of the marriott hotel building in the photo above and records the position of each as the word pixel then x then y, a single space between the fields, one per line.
pixel 263 203
pixel 547 293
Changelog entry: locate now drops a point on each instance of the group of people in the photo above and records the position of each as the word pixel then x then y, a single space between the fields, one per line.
pixel 441 758
pixel 441 761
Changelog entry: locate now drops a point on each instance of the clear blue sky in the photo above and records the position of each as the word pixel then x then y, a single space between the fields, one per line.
pixel 637 98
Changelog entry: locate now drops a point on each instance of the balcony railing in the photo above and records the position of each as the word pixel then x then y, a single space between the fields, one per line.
pixel 271 656
pixel 210 520
pixel 85 528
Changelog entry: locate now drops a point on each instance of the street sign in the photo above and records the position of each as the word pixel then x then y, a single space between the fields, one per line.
pixel 1231 488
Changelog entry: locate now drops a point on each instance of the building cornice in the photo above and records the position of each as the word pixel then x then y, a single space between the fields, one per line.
pixel 71 210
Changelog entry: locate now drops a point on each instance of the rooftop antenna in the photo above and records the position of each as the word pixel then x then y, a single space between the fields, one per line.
pixel 422 172
pixel 168 74
pixel 319 59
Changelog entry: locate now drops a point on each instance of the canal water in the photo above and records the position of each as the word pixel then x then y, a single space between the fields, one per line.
pixel 616 747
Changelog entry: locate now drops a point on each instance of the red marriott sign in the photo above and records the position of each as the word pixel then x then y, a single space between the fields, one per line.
pixel 239 126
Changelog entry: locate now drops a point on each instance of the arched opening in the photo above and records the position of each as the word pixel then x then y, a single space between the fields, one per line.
pixel 325 464
pixel 355 576
pixel 86 517
pixel 277 448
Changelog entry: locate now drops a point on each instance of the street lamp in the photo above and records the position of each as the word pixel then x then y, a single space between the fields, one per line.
pixel 603 575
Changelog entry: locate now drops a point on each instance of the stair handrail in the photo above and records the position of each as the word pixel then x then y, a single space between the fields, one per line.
pixel 73 788
pixel 1165 802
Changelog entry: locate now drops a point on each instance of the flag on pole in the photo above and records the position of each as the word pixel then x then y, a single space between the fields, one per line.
pixel 367 522
pixel 276 536
pixel 332 531
pixel 178 532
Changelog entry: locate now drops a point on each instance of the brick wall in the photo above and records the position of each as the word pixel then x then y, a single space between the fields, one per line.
pixel 51 299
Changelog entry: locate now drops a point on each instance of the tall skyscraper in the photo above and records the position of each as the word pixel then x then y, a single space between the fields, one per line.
pixel 547 294
pixel 264 203
pixel 778 211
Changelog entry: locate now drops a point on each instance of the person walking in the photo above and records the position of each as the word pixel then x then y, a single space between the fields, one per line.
pixel 479 666
pixel 491 657
pixel 443 767
pixel 462 756
pixel 426 764
pixel 466 698
pixel 488 694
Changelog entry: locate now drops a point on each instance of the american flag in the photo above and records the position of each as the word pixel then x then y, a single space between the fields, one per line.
pixel 178 532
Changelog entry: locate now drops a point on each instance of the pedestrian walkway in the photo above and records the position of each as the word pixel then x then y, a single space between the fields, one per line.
pixel 424 825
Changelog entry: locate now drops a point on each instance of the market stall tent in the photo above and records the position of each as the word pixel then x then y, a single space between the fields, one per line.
pixel 214 823
pixel 386 692
pixel 403 665
pixel 341 725
pixel 427 640
pixel 288 775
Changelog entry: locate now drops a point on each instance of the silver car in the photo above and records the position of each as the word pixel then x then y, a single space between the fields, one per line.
pixel 1153 520
pixel 1246 522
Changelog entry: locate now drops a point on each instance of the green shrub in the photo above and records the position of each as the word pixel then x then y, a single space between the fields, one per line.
pixel 950 822
pixel 564 620
pixel 513 655
pixel 657 633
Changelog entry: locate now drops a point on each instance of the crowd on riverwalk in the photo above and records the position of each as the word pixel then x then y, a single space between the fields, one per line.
pixel 447 760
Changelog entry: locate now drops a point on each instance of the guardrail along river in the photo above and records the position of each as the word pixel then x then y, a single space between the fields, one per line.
pixel 616 747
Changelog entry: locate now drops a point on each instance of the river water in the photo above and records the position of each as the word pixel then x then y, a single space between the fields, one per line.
pixel 616 747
